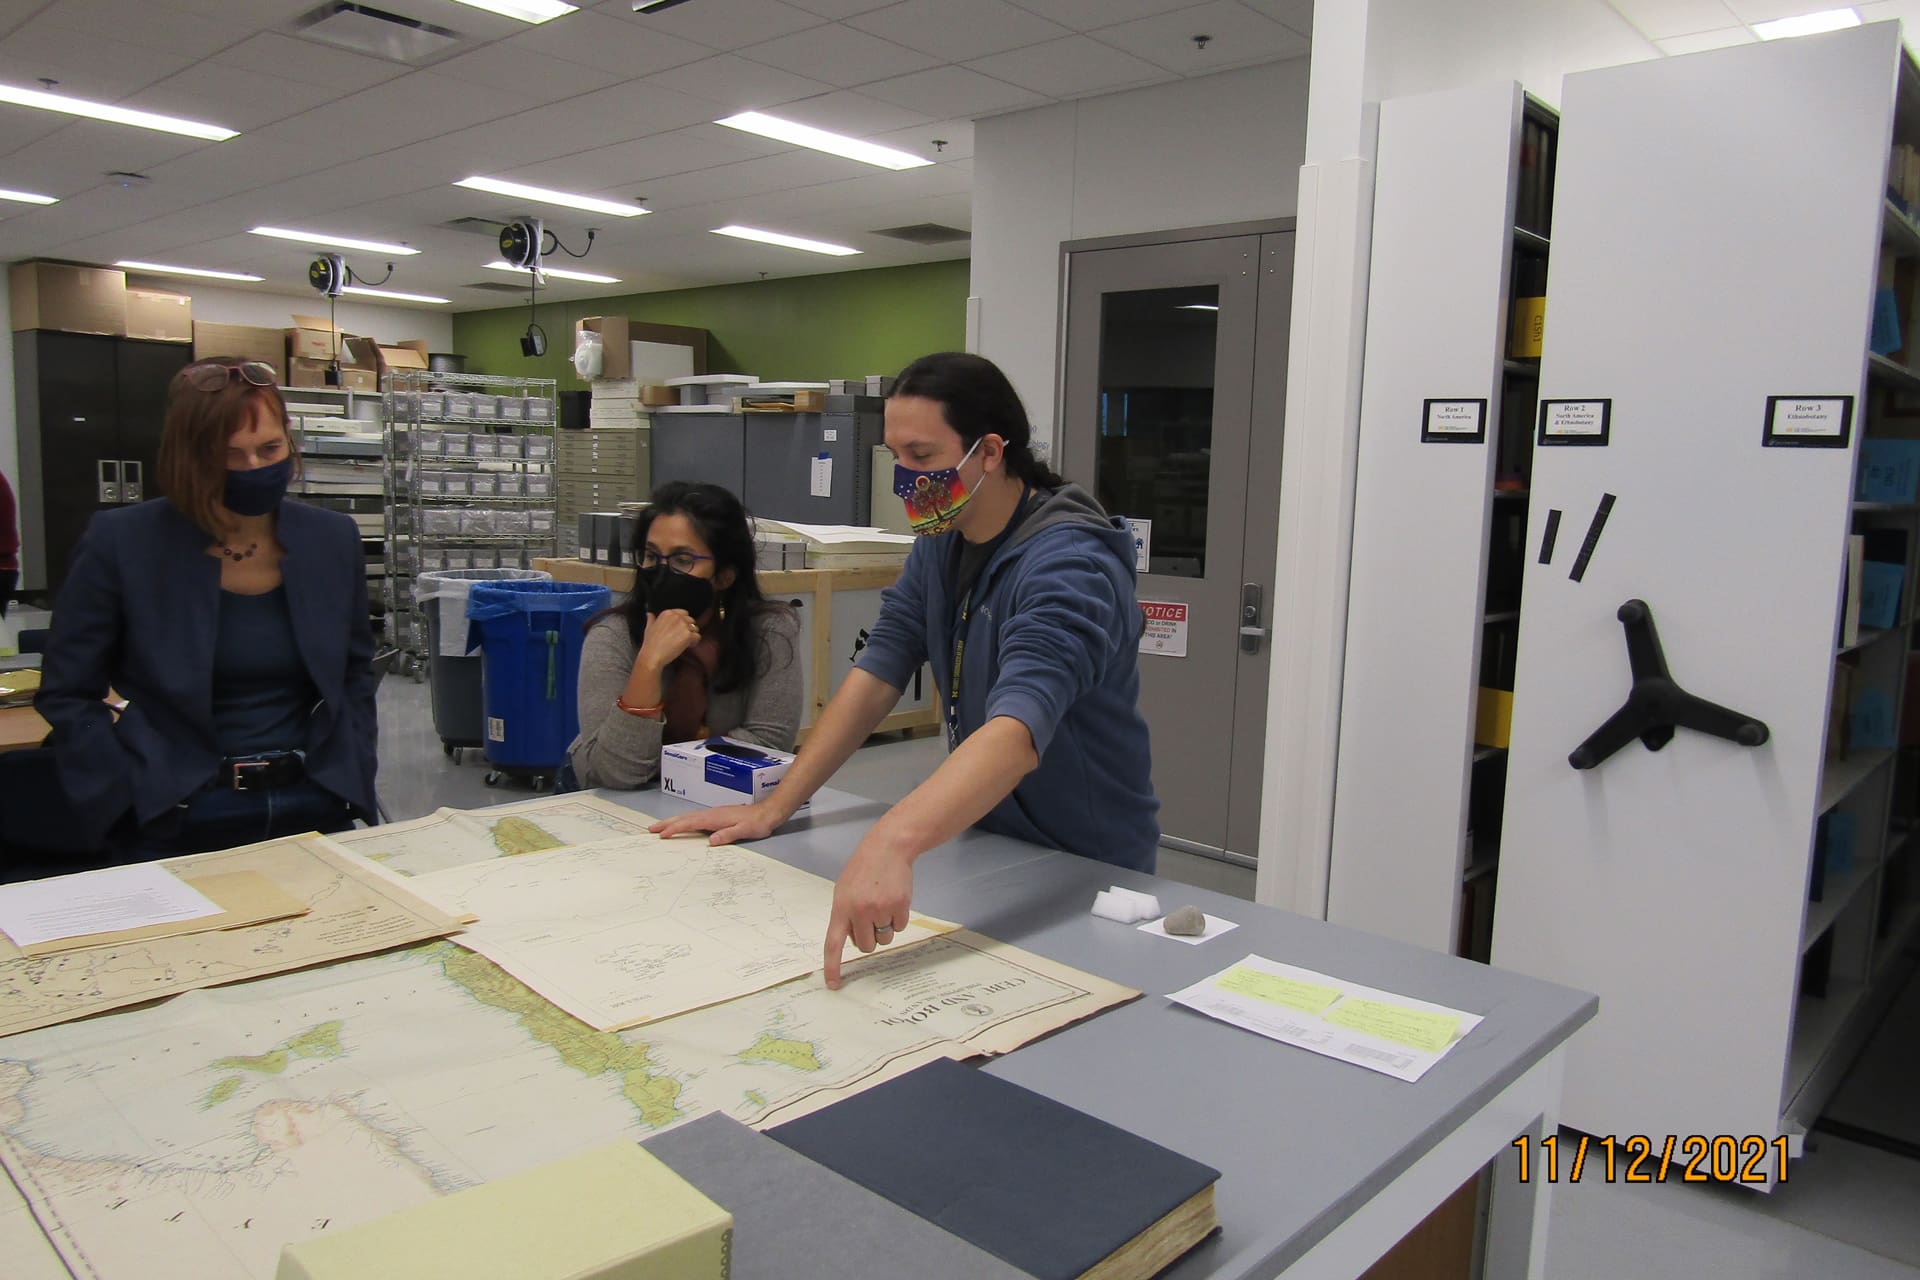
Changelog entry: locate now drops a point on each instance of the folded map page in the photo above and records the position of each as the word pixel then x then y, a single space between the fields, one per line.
pixel 353 907
pixel 455 837
pixel 191 1139
pixel 634 929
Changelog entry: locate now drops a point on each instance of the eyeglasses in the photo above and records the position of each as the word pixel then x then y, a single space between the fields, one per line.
pixel 679 561
pixel 215 377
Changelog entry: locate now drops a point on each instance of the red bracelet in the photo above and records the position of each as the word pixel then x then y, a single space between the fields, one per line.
pixel 651 713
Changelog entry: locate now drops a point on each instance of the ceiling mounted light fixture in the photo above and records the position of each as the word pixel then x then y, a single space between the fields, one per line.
pixel 26 197
pixel 654 6
pixel 557 273
pixel 391 296
pixel 40 99
pixel 546 195
pixel 785 241
pixel 127 264
pixel 332 241
pixel 533 11
pixel 834 144
pixel 1807 24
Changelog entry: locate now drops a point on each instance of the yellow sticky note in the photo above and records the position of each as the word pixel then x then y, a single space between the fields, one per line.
pixel 1416 1027
pixel 1307 997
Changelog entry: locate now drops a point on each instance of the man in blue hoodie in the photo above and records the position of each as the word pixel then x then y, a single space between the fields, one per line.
pixel 1021 594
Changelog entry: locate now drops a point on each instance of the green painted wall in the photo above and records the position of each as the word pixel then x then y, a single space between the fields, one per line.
pixel 844 325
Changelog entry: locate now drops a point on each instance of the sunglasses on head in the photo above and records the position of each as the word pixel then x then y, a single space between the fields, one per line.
pixel 214 377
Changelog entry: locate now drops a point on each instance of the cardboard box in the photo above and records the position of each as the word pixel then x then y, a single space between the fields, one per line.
pixel 616 358
pixel 392 358
pixel 720 771
pixel 313 373
pixel 159 315
pixel 653 397
pixel 243 342
pixel 312 338
pixel 53 295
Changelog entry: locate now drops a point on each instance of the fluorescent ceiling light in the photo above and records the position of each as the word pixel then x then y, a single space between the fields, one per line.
pixel 113 115
pixel 556 272
pixel 317 237
pixel 26 197
pixel 391 296
pixel 785 242
pixel 534 11
pixel 805 135
pixel 545 195
pixel 654 6
pixel 128 265
pixel 1807 24
pixel 1199 306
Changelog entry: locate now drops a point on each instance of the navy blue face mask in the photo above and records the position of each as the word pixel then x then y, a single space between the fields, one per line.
pixel 258 492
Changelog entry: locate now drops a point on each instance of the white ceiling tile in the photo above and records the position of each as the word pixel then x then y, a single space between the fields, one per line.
pixel 734 84
pixel 751 178
pixel 144 22
pixel 838 9
pixel 1085 15
pixel 15 12
pixel 724 24
pixel 852 113
pixel 1663 19
pixel 238 98
pixel 243 14
pixel 532 77
pixel 958 32
pixel 625 47
pixel 82 154
pixel 1069 68
pixel 952 92
pixel 21 125
pixel 1701 41
pixel 625 164
pixel 276 55
pixel 618 113
pixel 1239 36
pixel 1297 14
pixel 92 67
pixel 839 55
pixel 957 135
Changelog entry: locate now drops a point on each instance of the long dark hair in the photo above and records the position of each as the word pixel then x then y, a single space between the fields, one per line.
pixel 722 523
pixel 978 401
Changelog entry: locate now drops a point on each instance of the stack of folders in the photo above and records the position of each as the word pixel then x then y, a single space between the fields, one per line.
pixel 1049 1190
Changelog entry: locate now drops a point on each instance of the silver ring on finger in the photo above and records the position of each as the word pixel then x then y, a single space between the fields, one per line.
pixel 882 928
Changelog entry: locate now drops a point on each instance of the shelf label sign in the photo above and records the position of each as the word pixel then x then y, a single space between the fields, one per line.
pixel 1453 422
pixel 1142 542
pixel 1588 422
pixel 1166 629
pixel 1808 422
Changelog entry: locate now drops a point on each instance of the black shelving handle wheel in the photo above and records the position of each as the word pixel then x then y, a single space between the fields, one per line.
pixel 1655 705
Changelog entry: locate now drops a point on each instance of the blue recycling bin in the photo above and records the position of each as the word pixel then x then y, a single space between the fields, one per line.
pixel 530 635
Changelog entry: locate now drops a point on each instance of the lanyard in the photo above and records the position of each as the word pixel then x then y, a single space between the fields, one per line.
pixel 953 682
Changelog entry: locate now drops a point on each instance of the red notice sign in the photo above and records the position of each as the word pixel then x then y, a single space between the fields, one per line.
pixel 1166 631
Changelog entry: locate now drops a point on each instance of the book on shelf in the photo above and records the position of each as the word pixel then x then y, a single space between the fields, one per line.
pixel 1526 332
pixel 1889 471
pixel 1870 720
pixel 1053 1191
pixel 1850 601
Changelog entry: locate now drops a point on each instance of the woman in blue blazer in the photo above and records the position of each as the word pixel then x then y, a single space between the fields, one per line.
pixel 233 625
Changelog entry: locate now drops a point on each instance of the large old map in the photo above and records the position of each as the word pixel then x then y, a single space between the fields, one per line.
pixel 189 1140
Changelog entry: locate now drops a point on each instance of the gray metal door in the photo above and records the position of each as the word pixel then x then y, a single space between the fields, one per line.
pixel 1175 394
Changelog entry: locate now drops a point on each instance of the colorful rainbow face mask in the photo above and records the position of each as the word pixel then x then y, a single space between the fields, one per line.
pixel 934 498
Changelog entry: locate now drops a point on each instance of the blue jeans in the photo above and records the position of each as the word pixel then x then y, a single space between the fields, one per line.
pixel 220 818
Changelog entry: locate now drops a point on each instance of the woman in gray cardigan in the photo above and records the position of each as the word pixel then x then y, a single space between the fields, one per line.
pixel 696 651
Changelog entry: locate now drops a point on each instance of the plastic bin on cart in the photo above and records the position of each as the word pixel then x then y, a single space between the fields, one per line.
pixel 453 675
pixel 530 635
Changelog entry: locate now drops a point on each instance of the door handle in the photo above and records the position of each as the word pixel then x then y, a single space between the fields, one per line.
pixel 107 470
pixel 132 481
pixel 1251 632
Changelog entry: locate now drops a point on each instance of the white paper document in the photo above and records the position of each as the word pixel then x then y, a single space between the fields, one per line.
pixel 1392 1034
pixel 1215 927
pixel 130 897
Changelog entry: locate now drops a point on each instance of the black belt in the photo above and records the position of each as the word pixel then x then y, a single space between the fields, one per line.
pixel 260 773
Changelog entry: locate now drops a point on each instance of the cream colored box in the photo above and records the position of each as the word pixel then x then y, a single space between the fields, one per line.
pixel 613 1213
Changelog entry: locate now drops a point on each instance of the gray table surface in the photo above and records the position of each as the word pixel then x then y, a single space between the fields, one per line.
pixel 1301 1140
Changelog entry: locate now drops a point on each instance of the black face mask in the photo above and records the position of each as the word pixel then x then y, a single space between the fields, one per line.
pixel 257 492
pixel 669 590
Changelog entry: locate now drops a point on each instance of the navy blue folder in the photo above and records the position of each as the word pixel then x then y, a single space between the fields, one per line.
pixel 1035 1183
